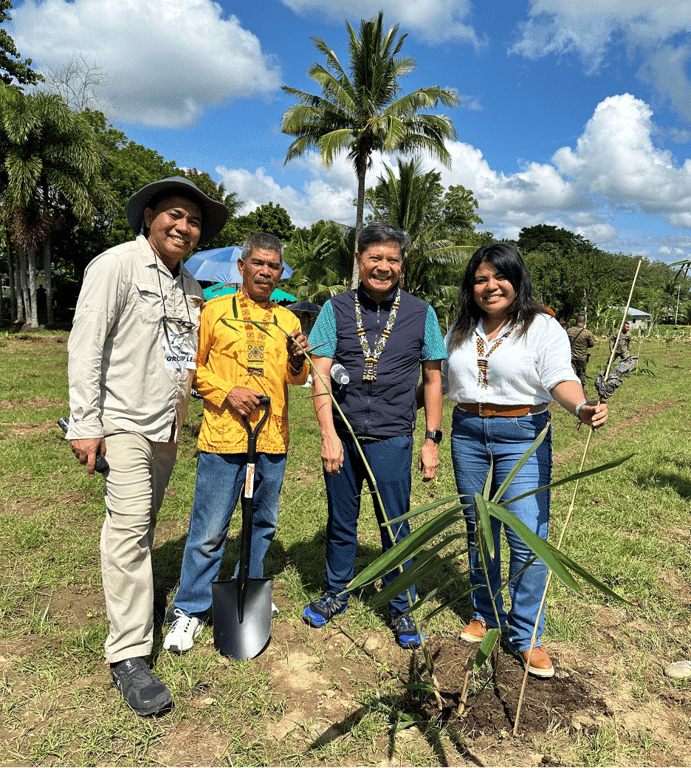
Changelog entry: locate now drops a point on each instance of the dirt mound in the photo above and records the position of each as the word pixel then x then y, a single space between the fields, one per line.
pixel 568 699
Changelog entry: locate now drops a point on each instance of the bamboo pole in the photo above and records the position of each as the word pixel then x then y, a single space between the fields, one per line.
pixel 533 639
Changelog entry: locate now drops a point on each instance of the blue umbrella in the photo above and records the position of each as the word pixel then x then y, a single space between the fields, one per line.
pixel 220 265
pixel 222 289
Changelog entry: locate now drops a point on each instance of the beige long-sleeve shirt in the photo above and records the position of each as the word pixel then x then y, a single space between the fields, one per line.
pixel 117 366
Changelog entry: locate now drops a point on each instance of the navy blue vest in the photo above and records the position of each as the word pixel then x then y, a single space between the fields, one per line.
pixel 385 407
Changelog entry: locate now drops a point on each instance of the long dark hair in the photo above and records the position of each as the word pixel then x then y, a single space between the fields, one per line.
pixel 506 259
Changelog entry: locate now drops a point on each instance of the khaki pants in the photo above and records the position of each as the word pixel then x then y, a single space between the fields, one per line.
pixel 134 488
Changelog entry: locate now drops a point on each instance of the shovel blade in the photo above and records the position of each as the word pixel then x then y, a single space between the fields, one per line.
pixel 247 638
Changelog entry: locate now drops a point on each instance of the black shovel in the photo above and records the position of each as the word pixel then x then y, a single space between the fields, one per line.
pixel 242 606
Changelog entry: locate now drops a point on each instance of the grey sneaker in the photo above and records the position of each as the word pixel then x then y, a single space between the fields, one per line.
pixel 183 633
pixel 140 688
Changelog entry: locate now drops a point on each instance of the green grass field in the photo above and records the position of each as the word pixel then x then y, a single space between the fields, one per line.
pixel 320 697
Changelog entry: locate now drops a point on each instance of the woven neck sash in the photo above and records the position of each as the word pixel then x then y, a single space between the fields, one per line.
pixel 372 358
pixel 255 347
pixel 483 358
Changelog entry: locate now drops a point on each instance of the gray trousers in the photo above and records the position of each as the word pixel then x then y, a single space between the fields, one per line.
pixel 134 488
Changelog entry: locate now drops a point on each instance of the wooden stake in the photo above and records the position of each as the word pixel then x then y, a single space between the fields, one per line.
pixel 533 639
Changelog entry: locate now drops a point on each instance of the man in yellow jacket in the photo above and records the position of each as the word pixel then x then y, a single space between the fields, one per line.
pixel 237 363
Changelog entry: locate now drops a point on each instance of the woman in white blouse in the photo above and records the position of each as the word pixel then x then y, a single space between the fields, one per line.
pixel 508 359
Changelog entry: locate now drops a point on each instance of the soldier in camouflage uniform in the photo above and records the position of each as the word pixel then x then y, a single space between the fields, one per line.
pixel 581 340
pixel 623 349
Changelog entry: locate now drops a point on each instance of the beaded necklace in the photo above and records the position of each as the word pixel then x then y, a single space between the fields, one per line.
pixel 255 348
pixel 483 358
pixel 372 358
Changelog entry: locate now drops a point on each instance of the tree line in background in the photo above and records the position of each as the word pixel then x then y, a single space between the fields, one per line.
pixel 66 175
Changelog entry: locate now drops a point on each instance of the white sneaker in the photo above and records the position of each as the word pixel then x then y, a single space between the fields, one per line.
pixel 183 632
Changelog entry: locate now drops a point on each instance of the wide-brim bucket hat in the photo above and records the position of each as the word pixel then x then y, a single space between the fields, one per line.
pixel 214 214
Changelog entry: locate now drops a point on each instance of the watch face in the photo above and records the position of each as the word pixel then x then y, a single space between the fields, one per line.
pixel 436 435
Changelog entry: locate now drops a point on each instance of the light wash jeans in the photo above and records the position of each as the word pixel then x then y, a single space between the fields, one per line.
pixel 474 442
pixel 220 478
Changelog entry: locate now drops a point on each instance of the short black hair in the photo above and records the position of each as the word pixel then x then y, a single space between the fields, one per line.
pixel 382 232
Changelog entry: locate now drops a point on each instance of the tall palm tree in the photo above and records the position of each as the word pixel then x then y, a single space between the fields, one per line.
pixel 364 110
pixel 50 162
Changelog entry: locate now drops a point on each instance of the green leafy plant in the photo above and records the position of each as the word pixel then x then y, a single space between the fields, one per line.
pixel 440 533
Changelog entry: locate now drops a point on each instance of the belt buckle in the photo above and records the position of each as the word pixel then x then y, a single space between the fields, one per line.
pixel 479 410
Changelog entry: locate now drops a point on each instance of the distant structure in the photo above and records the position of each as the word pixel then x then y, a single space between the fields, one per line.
pixel 636 317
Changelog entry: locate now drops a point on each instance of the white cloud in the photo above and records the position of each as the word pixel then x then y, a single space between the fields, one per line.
pixel 680 136
pixel 507 203
pixel 328 193
pixel 165 62
pixel 589 27
pixel 616 157
pixel 592 227
pixel 605 183
pixel 433 21
pixel 680 220
pixel 665 70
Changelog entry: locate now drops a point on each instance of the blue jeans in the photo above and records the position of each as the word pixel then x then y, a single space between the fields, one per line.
pixel 390 461
pixel 220 478
pixel 474 442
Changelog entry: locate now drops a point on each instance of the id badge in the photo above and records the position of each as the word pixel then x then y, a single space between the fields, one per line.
pixel 179 347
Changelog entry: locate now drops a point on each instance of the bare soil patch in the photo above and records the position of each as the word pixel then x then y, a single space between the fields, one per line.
pixel 568 699
pixel 33 402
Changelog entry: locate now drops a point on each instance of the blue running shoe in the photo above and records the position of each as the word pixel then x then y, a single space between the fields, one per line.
pixel 319 612
pixel 404 630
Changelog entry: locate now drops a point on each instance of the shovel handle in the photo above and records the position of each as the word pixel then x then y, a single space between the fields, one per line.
pixel 247 502
pixel 253 434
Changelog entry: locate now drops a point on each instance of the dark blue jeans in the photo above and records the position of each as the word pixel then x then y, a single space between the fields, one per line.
pixel 390 461
pixel 220 479
pixel 475 441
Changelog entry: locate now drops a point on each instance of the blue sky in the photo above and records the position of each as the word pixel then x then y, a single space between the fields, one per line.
pixel 572 114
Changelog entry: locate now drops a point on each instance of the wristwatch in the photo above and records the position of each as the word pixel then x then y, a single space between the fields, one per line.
pixel 435 435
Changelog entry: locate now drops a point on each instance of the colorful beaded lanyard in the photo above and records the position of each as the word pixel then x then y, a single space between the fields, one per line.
pixel 255 348
pixel 483 359
pixel 372 358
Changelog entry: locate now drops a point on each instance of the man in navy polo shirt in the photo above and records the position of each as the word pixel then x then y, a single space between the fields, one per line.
pixel 381 335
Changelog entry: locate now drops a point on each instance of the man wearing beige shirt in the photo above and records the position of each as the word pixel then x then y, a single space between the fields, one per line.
pixel 132 357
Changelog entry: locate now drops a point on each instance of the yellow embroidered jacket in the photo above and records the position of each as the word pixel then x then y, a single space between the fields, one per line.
pixel 222 363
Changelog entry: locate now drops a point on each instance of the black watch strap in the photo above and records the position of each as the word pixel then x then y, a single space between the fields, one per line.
pixel 436 435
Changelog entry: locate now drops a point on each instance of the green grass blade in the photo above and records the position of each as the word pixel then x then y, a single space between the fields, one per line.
pixel 571 478
pixel 486 648
pixel 587 576
pixel 452 600
pixel 483 526
pixel 488 479
pixel 520 463
pixel 408 577
pixel 426 508
pixel 407 548
pixel 540 547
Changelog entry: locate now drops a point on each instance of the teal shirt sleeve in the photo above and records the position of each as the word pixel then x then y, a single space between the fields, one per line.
pixel 323 337
pixel 434 347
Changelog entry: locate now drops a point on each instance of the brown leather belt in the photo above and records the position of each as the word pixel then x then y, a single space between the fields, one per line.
pixel 493 409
